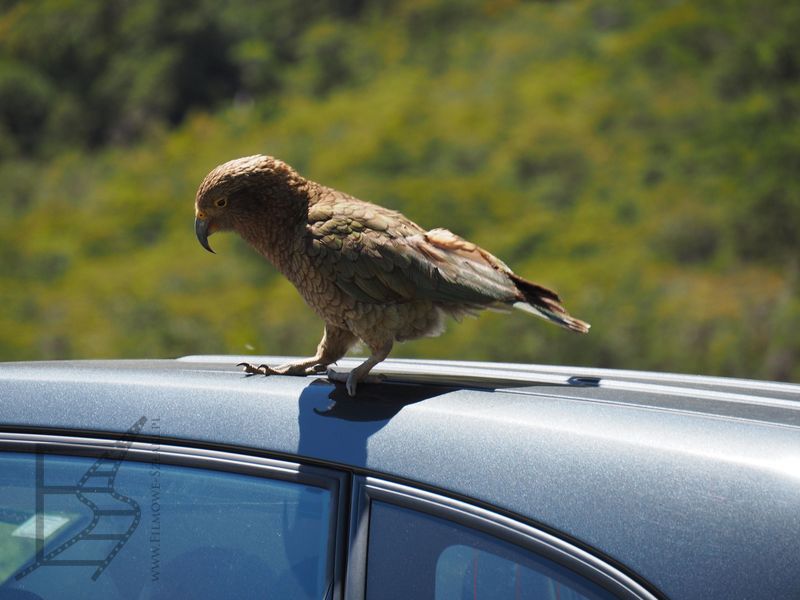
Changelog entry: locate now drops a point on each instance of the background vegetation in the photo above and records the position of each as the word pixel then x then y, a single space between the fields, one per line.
pixel 641 158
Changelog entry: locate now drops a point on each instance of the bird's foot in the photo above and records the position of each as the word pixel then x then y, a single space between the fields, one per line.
pixel 351 379
pixel 251 369
pixel 300 369
pixel 352 384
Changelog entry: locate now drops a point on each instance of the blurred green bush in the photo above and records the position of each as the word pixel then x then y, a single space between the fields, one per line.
pixel 641 158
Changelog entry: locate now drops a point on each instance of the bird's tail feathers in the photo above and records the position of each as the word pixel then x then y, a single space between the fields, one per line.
pixel 546 304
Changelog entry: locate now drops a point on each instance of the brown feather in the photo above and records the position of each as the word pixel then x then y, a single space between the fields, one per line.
pixel 368 271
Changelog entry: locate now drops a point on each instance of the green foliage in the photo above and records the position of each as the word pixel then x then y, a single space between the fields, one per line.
pixel 641 159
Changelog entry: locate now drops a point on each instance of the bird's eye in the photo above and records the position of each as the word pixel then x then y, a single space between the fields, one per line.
pixel 221 202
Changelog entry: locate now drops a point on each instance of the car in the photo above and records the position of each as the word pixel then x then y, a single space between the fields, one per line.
pixel 186 478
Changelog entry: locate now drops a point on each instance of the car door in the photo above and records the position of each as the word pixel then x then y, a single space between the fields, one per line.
pixel 99 518
pixel 420 544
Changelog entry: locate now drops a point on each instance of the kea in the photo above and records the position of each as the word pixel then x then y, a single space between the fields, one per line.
pixel 371 274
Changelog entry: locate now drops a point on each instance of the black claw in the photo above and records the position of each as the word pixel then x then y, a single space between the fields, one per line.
pixel 267 370
pixel 250 369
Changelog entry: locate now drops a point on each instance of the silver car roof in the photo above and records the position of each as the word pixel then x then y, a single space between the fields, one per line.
pixel 692 482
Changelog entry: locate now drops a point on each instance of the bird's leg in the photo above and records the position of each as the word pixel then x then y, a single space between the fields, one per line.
pixel 379 353
pixel 334 345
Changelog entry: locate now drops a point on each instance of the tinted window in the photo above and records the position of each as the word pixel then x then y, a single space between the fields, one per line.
pixel 150 531
pixel 414 555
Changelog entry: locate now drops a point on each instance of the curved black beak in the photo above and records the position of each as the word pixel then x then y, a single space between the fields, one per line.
pixel 201 231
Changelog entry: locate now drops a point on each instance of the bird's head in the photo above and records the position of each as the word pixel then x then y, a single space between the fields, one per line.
pixel 235 193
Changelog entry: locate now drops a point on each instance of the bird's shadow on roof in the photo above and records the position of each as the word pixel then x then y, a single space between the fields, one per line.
pixel 374 401
pixel 337 427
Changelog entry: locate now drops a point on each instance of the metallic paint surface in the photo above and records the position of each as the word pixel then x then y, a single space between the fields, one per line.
pixel 695 487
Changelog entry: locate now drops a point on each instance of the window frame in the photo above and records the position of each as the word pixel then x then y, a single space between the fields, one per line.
pixel 350 507
pixel 335 481
pixel 366 489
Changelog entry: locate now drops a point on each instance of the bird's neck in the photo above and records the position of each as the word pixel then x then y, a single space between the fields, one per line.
pixel 279 232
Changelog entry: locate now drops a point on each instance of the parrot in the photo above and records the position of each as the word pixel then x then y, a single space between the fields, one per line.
pixel 370 273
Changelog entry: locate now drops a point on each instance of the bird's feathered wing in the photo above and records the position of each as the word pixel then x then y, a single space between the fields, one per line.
pixel 377 255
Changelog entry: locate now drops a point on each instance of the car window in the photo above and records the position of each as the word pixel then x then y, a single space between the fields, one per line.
pixel 416 555
pixel 133 530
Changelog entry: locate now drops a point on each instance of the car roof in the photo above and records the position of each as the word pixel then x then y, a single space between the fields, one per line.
pixel 693 482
